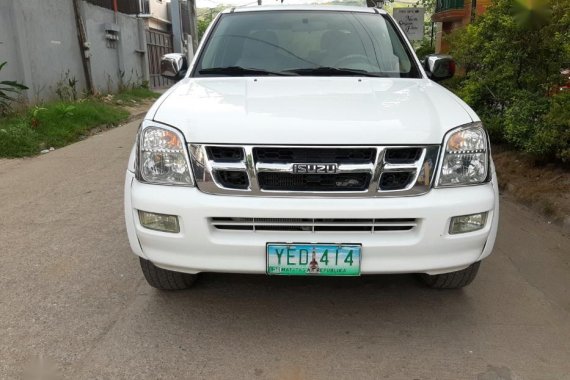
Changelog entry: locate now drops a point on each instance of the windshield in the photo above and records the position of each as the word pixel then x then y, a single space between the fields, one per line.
pixel 305 43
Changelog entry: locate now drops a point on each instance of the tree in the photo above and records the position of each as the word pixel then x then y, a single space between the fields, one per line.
pixel 512 57
pixel 205 17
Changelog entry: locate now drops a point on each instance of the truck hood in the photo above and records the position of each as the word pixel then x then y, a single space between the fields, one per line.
pixel 311 110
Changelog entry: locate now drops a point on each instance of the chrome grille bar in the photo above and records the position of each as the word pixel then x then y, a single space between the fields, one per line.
pixel 288 168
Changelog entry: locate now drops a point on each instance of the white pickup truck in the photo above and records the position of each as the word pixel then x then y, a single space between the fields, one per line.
pixel 310 140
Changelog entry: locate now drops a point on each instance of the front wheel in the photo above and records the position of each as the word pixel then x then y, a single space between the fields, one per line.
pixel 166 279
pixel 453 280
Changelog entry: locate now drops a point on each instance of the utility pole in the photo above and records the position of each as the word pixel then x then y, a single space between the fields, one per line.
pixel 120 60
pixel 193 23
pixel 83 47
pixel 176 26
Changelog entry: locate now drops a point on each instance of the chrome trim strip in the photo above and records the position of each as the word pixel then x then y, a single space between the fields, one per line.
pixel 311 224
pixel 231 166
pixel 423 171
pixel 252 175
pixel 307 224
pixel 379 168
pixel 288 168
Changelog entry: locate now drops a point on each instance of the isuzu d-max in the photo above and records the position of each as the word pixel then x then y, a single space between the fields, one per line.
pixel 310 141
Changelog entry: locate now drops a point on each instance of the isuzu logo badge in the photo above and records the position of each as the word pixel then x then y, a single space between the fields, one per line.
pixel 315 168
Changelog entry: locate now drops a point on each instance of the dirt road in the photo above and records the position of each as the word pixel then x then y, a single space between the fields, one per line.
pixel 73 299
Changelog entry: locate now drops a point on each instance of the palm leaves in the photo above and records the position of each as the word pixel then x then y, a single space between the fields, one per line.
pixel 8 91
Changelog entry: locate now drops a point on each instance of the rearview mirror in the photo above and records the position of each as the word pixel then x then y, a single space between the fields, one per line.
pixel 173 66
pixel 439 67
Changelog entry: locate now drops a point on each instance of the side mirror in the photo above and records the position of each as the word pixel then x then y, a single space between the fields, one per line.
pixel 173 66
pixel 439 67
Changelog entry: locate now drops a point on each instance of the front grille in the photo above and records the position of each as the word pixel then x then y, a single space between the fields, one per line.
pixel 341 171
pixel 313 182
pixel 314 155
pixel 313 225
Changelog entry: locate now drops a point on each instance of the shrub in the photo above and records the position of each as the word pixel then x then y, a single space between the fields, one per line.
pixel 425 49
pixel 558 118
pixel 18 140
pixel 540 125
pixel 525 125
pixel 512 56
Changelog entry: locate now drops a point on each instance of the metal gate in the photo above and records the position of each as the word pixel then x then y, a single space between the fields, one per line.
pixel 158 44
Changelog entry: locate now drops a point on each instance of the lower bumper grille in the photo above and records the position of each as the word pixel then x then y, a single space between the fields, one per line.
pixel 313 225
pixel 313 182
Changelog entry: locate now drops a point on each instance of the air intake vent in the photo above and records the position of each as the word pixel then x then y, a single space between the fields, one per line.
pixel 402 155
pixel 232 179
pixel 313 182
pixel 313 225
pixel 225 154
pixel 395 180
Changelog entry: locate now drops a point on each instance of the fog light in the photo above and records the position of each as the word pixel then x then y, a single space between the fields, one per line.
pixel 467 223
pixel 159 222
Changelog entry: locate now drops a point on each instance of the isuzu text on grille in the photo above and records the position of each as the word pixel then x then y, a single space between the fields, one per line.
pixel 315 168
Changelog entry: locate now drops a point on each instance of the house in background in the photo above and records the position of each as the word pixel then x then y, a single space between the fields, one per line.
pixel 158 12
pixel 454 14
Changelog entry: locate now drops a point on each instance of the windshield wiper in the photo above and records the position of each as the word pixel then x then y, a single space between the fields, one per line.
pixel 332 71
pixel 240 71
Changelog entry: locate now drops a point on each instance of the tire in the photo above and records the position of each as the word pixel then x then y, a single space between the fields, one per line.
pixel 166 279
pixel 453 280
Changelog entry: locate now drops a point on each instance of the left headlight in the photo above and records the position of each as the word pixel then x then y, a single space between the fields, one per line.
pixel 163 158
pixel 465 158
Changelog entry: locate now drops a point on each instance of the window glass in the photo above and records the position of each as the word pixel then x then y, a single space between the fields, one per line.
pixel 281 41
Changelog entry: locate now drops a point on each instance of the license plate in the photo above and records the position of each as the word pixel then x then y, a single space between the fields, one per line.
pixel 313 259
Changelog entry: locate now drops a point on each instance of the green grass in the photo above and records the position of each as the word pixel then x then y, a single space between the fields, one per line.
pixel 57 125
pixel 136 94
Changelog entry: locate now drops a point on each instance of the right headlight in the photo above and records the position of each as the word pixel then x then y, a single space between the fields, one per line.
pixel 465 157
pixel 162 157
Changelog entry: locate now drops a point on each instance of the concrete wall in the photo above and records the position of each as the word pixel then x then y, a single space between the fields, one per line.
pixel 8 44
pixel 111 62
pixel 38 38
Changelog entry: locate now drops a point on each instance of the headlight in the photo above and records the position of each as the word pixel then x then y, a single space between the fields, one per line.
pixel 163 158
pixel 465 159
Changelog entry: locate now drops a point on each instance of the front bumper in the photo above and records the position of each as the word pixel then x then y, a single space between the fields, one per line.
pixel 199 247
